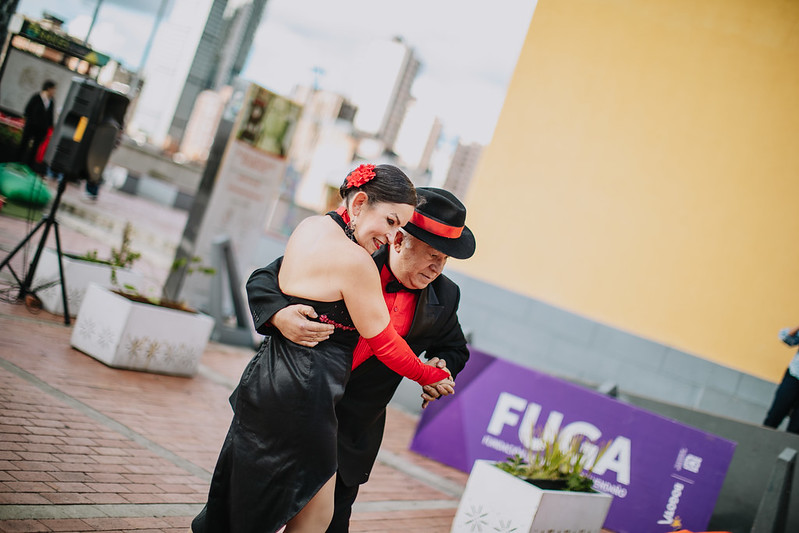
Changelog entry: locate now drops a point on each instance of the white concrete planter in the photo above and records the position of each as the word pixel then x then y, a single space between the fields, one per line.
pixel 78 274
pixel 138 336
pixel 497 501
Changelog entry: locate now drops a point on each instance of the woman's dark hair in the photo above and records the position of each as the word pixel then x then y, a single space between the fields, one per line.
pixel 390 185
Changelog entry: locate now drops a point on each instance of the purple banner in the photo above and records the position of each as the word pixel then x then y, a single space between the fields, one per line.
pixel 663 475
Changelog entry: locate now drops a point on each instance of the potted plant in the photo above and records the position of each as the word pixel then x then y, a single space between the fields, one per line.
pixel 80 270
pixel 125 329
pixel 549 490
pixel 187 266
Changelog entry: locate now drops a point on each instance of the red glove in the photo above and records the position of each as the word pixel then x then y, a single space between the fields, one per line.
pixel 394 352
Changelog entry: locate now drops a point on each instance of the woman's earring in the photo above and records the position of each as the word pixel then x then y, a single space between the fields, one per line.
pixel 349 231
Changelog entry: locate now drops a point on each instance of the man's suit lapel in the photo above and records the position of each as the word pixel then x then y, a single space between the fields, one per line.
pixel 428 309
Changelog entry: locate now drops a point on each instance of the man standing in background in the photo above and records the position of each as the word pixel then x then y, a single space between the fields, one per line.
pixel 39 114
pixel 786 397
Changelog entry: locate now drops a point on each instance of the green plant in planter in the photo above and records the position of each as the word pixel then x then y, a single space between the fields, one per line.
pixel 122 257
pixel 558 465
pixel 189 267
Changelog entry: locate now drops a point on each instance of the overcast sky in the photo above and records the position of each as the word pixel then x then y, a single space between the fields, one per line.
pixel 468 48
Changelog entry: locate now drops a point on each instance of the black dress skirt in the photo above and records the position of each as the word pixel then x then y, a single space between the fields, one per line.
pixel 281 445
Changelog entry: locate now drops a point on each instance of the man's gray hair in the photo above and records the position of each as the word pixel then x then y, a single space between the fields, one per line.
pixel 407 239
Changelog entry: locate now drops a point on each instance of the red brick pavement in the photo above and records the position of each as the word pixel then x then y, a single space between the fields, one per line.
pixel 91 444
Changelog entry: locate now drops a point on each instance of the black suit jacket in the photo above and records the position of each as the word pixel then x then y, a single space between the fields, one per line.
pixel 38 118
pixel 361 413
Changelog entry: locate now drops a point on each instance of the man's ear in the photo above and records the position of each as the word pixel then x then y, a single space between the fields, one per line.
pixel 398 240
pixel 358 202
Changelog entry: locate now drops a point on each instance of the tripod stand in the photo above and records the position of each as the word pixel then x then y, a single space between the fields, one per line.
pixel 49 221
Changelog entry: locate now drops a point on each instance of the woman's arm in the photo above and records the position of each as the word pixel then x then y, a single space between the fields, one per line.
pixel 363 296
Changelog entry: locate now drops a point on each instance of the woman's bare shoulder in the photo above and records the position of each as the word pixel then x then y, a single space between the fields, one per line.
pixel 320 236
pixel 321 263
pixel 311 223
pixel 312 231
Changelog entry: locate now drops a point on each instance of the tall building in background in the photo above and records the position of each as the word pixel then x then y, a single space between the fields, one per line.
pixel 196 48
pixel 417 139
pixel 220 57
pixel 323 145
pixel 202 125
pixel 200 74
pixel 167 68
pixel 240 28
pixel 382 95
pixel 462 168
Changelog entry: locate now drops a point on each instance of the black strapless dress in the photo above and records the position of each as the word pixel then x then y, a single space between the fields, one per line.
pixel 281 445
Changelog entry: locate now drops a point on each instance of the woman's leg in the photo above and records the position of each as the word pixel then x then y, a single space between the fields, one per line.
pixel 316 515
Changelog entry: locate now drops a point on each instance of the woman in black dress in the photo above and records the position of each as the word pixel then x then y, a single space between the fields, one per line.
pixel 278 462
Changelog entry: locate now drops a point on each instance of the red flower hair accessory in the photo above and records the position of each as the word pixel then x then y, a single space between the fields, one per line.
pixel 360 175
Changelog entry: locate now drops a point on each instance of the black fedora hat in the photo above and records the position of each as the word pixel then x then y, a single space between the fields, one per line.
pixel 440 221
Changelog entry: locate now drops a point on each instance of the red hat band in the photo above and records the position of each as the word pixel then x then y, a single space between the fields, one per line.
pixel 435 227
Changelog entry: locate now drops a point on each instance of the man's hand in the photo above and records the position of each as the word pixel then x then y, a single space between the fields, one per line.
pixel 293 322
pixel 442 388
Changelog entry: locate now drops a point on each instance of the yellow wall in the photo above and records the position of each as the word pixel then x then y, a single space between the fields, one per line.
pixel 644 173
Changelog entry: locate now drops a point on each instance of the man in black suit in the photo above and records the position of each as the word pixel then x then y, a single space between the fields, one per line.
pixel 38 120
pixel 423 305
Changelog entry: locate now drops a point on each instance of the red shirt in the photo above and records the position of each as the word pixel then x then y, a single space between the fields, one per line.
pixel 401 309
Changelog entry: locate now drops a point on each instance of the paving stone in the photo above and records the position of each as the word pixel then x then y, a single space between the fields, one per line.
pixel 22 498
pixel 66 524
pixel 105 497
pixel 32 475
pixel 29 486
pixel 66 498
pixel 22 526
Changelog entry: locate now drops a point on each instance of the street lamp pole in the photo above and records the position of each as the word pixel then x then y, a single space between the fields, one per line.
pixel 94 19
pixel 134 85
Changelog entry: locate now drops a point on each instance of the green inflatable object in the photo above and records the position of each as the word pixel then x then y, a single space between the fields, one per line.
pixel 20 184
